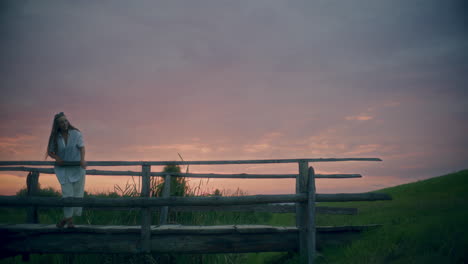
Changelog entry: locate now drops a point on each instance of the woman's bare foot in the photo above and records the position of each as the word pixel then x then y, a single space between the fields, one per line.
pixel 70 224
pixel 64 221
pixel 61 224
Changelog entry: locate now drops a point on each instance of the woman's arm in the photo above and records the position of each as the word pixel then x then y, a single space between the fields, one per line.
pixel 56 157
pixel 83 161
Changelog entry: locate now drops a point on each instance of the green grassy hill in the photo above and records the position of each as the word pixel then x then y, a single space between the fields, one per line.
pixel 426 222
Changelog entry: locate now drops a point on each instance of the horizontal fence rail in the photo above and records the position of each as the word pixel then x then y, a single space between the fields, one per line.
pixel 150 202
pixel 188 175
pixel 266 208
pixel 164 239
pixel 16 201
pixel 163 163
pixel 351 197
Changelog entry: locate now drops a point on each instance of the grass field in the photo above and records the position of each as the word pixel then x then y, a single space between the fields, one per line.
pixel 424 223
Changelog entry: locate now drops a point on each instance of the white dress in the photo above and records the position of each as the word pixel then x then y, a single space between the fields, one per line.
pixel 70 152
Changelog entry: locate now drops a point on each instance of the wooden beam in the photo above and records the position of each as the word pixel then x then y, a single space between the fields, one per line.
pixel 163 163
pixel 188 175
pixel 41 170
pixel 166 192
pixel 32 185
pixel 301 211
pixel 268 208
pixel 29 238
pixel 311 216
pixel 349 228
pixel 38 229
pixel 236 239
pixel 337 176
pixel 335 210
pixel 15 201
pixel 228 176
pixel 88 172
pixel 349 197
pixel 145 212
pixel 256 176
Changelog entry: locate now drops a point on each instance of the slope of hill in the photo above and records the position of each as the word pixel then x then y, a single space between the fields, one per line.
pixel 426 222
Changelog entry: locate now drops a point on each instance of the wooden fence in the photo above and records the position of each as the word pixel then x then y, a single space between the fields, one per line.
pixel 36 238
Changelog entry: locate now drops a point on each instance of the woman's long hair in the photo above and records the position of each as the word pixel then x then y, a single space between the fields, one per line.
pixel 52 146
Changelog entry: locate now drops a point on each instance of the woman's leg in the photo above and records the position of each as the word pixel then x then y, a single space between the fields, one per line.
pixel 67 191
pixel 78 191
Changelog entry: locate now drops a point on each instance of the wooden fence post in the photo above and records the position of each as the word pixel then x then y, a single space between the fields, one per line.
pixel 32 185
pixel 311 231
pixel 145 212
pixel 166 192
pixel 301 211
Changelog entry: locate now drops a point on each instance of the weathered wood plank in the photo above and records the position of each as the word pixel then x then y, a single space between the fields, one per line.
pixel 337 176
pixel 127 243
pixel 113 173
pixel 165 239
pixel 335 210
pixel 219 229
pixel 229 176
pixel 36 229
pixel 88 172
pixel 301 211
pixel 206 162
pixel 311 216
pixel 145 212
pixel 188 175
pixel 254 229
pixel 349 197
pixel 256 176
pixel 173 229
pixel 13 201
pixel 32 185
pixel 41 170
pixel 348 228
pixel 166 192
pixel 233 243
pixel 268 208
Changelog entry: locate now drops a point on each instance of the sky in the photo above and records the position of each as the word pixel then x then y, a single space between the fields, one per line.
pixel 232 80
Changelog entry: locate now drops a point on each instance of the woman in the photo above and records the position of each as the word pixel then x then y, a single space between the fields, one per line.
pixel 66 144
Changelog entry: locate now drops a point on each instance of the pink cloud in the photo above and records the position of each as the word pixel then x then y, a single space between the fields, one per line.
pixel 21 145
pixel 254 148
pixel 360 117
